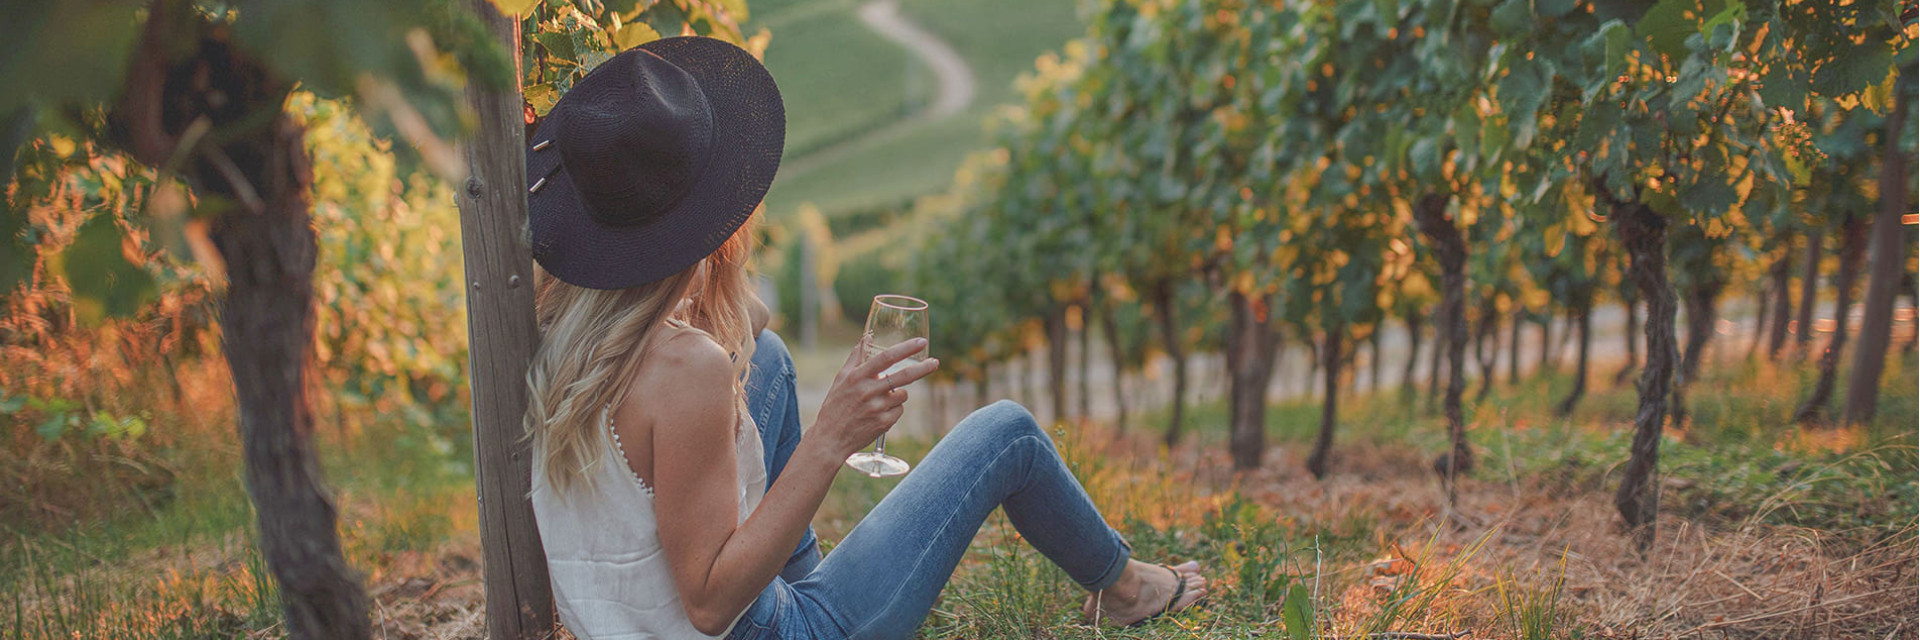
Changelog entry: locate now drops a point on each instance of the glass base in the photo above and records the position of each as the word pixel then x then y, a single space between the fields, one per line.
pixel 877 465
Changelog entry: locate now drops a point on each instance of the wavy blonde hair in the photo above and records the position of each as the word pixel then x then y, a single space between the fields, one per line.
pixel 592 342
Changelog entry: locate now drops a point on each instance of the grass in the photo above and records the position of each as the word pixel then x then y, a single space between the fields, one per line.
pixel 1768 530
pixel 188 568
pixel 999 38
pixel 882 172
pixel 838 79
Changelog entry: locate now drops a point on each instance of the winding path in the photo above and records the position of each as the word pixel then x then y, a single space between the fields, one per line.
pixel 953 78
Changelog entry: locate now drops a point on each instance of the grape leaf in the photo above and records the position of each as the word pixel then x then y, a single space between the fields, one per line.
pixel 1666 26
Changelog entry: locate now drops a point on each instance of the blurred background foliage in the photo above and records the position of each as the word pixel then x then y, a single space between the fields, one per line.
pixel 391 341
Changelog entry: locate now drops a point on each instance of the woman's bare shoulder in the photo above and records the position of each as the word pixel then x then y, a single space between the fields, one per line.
pixel 685 382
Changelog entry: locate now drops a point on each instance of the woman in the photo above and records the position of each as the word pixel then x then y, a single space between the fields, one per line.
pixel 671 480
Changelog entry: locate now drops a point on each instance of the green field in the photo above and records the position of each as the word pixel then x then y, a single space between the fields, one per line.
pixel 1000 38
pixel 841 80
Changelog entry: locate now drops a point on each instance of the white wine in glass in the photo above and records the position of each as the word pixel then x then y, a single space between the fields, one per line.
pixel 892 320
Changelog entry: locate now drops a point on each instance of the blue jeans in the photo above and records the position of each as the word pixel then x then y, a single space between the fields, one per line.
pixel 881 581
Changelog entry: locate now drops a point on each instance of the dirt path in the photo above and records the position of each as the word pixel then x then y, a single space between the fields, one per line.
pixel 953 77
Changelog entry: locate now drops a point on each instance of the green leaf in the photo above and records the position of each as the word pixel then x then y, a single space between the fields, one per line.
pixel 1663 203
pixel 66 51
pixel 1618 42
pixel 1666 26
pixel 107 425
pixel 329 45
pixel 1711 195
pixel 1512 17
pixel 1425 156
pixel 1297 613
pixel 1521 94
pixel 558 44
pixel 1854 69
pixel 1786 85
pixel 104 282
pixel 11 405
pixel 1553 8
pixel 1729 17
pixel 667 18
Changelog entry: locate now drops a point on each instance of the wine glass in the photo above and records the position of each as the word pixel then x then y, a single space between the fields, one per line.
pixel 892 320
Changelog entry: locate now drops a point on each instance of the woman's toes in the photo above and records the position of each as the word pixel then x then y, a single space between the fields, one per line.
pixel 1196 585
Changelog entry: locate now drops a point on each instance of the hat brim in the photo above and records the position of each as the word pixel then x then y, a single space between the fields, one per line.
pixel 749 133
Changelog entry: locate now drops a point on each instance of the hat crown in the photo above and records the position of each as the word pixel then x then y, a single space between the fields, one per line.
pixel 634 137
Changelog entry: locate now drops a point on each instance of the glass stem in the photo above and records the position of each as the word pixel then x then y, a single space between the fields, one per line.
pixel 880 446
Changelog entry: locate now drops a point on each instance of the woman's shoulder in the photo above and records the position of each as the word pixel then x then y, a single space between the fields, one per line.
pixel 689 351
pixel 685 379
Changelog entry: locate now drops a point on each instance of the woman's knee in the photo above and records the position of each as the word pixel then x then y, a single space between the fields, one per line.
pixel 1002 421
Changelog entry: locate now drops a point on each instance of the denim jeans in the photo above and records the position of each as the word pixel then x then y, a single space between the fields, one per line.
pixel 881 581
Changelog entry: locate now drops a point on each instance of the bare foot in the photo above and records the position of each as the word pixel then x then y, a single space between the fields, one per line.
pixel 1143 591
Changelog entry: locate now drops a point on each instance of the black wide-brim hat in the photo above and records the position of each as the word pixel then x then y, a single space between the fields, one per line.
pixel 652 161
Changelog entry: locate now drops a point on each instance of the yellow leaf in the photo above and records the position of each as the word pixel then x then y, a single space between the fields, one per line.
pixel 515 7
pixel 633 35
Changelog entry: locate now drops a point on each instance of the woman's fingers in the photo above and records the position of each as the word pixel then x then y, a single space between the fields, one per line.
pixel 913 373
pixel 880 361
pixel 853 360
pixel 908 374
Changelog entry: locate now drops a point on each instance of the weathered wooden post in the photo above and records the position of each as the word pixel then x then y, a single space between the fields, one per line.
pixel 501 339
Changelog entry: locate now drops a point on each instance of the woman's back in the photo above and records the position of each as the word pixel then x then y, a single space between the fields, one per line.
pixel 609 574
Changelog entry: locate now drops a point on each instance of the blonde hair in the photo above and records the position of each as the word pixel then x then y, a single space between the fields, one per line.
pixel 592 342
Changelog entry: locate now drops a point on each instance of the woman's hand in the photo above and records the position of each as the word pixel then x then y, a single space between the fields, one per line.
pixel 861 404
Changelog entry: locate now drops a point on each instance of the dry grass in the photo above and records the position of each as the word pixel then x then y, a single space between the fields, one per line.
pixel 1751 580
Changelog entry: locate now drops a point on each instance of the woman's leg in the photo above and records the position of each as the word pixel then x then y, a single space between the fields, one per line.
pixel 775 408
pixel 881 581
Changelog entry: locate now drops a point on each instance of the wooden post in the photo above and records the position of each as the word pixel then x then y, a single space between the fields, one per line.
pixel 501 340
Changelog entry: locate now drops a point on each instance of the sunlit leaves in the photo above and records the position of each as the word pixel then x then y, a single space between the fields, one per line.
pixel 562 41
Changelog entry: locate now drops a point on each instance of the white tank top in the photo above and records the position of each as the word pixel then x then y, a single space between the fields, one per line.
pixel 610 577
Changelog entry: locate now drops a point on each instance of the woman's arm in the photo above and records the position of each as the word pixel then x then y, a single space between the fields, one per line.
pixel 718 567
